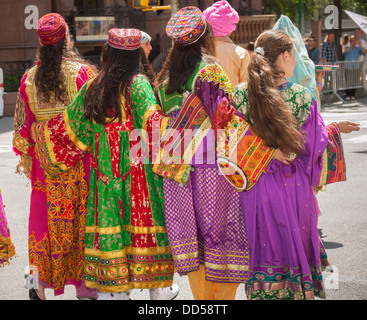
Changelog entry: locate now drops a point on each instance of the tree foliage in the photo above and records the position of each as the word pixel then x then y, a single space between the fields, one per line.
pixel 310 7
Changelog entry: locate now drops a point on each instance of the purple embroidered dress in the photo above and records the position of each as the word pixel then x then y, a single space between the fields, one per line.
pixel 203 216
pixel 280 211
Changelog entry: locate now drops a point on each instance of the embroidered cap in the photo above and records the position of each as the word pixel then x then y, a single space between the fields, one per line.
pixel 51 29
pixel 186 26
pixel 124 39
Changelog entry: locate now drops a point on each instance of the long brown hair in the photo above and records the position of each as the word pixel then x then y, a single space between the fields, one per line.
pixel 50 78
pixel 182 61
pixel 117 69
pixel 272 118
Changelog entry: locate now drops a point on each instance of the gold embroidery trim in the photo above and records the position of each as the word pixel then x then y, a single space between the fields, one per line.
pixel 132 229
pixel 198 139
pixel 186 256
pixel 71 71
pixel 127 250
pixel 324 170
pixel 131 285
pixel 148 113
pixel 226 266
pixel 108 230
pixel 72 135
pixel 50 149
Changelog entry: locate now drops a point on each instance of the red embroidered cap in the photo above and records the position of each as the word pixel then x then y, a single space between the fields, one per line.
pixel 186 26
pixel 124 39
pixel 51 29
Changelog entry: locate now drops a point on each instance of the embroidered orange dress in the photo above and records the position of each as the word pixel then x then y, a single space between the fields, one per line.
pixel 58 203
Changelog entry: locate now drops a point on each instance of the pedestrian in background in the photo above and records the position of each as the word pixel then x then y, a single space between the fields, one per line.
pixel 58 202
pixel 328 49
pixel 232 58
pixel 329 56
pixel 360 42
pixel 313 51
pixel 352 69
pixel 344 41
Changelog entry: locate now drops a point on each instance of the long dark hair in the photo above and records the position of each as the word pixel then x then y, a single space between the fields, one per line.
pixel 50 78
pixel 117 69
pixel 182 61
pixel 272 119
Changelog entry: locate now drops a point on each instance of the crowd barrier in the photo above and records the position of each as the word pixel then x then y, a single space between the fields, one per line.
pixel 349 75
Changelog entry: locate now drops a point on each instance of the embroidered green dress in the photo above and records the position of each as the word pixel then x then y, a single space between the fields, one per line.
pixel 126 242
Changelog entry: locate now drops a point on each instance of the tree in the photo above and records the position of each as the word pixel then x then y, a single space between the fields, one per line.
pixel 290 7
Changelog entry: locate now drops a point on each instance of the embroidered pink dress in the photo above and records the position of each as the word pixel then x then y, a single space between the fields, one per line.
pixel 58 203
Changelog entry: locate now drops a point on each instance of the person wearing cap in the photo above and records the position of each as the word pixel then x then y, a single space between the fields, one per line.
pixel 126 244
pixel 148 69
pixel 205 228
pixel 58 200
pixel 232 58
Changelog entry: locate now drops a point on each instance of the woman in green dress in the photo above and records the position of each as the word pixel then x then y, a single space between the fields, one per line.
pixel 126 244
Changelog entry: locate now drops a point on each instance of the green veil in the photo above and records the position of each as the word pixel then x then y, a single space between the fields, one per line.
pixel 304 72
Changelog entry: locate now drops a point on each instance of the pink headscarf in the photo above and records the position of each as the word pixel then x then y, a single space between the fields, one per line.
pixel 222 18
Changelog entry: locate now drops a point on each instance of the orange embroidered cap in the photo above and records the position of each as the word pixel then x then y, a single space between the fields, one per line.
pixel 51 29
pixel 124 39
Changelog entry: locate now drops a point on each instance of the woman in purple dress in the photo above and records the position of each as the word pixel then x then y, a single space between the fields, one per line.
pixel 280 209
pixel 203 217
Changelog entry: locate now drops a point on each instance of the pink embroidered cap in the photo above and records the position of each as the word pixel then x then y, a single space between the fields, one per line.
pixel 186 26
pixel 124 39
pixel 51 29
pixel 222 18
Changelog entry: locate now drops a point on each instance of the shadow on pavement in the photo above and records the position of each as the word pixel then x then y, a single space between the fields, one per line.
pixel 6 124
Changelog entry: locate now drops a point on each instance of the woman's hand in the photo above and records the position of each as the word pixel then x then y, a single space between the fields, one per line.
pixel 186 94
pixel 348 126
pixel 283 157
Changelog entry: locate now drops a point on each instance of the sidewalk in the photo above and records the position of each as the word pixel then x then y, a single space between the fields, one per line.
pixel 330 103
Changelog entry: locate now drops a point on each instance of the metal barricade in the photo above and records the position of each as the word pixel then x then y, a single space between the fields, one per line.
pixel 349 75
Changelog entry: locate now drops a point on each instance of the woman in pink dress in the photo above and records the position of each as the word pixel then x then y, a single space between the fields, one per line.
pixel 58 203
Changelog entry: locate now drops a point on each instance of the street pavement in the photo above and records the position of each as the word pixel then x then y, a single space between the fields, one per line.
pixel 342 224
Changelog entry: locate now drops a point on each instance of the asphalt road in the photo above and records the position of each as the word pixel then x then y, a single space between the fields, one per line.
pixel 342 224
